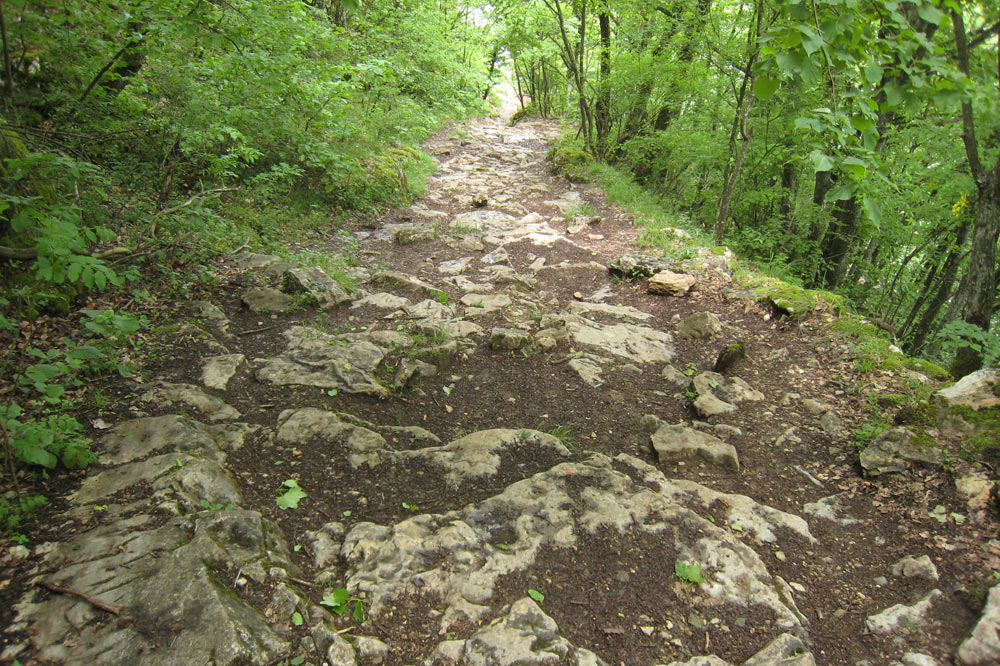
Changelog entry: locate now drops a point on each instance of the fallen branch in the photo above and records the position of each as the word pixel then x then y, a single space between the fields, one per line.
pixel 29 253
pixel 73 593
pixel 258 330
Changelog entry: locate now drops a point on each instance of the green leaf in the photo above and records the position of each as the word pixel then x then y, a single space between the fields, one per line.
pixel 536 595
pixel 856 167
pixel 873 211
pixel 821 161
pixel 873 73
pixel 291 497
pixel 297 619
pixel 764 87
pixel 842 192
pixel 359 612
pixel 297 661
pixel 930 13
pixel 688 572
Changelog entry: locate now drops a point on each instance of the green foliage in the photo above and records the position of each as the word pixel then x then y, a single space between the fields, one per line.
pixel 690 573
pixel 958 334
pixel 14 511
pixel 45 441
pixel 292 495
pixel 535 595
pixel 570 159
pixel 340 600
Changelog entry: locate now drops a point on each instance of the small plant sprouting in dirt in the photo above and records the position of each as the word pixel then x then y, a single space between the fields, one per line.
pixel 690 573
pixel 564 434
pixel 584 209
pixel 866 434
pixel 339 600
pixel 442 297
pixel 537 596
pixel 409 506
pixel 292 496
pixel 691 370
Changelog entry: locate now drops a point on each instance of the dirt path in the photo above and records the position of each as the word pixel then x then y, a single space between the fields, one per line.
pixel 509 455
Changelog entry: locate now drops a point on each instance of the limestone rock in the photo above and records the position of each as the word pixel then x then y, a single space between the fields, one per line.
pixel 362 446
pixel 313 280
pixel 831 508
pixel 413 233
pixel 482 220
pixel 410 368
pixel 509 339
pixel 675 377
pixel 255 261
pixel 588 367
pixel 479 304
pixel 983 646
pixel 639 344
pixel 679 442
pixel 429 309
pixel 167 394
pixel 618 311
pixel 522 636
pixel 481 453
pixel 452 558
pixel 497 256
pixel 918 659
pixel 408 285
pixel 902 617
pixel 977 489
pixel 631 266
pixel 670 283
pixel 896 450
pixel 915 567
pixel 978 390
pixel 762 522
pixel 266 299
pixel 220 369
pixel 312 358
pixel 462 329
pixel 455 266
pixel 700 325
pixel 785 650
pixel 165 579
pixel 383 300
pixel 718 394
pixel 830 423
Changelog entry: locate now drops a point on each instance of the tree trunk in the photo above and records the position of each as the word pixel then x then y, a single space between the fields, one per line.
pixel 948 273
pixel 981 271
pixel 838 241
pixel 602 115
pixel 980 278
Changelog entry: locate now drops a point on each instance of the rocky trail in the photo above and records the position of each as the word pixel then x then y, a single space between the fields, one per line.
pixel 509 446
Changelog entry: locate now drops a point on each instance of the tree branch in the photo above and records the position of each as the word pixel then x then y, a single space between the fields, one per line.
pixel 968 121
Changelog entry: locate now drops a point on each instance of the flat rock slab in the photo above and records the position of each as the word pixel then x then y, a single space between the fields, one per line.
pixel 480 454
pixel 314 281
pixel 383 300
pixel 523 635
pixel 785 650
pixel 762 522
pixel 220 369
pixel 173 611
pixel 903 618
pixel 510 339
pixel 267 299
pixel 312 358
pixel 639 344
pixel 896 450
pixel 679 442
pixel 617 311
pixel 588 367
pixel 168 394
pixel 363 447
pixel 454 558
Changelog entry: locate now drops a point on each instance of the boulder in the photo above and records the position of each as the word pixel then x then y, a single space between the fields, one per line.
pixel 896 450
pixel 901 617
pixel 631 266
pixel 318 284
pixel 509 339
pixel 670 283
pixel 982 648
pixel 679 442
pixel 700 325
pixel 979 390
pixel 266 299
